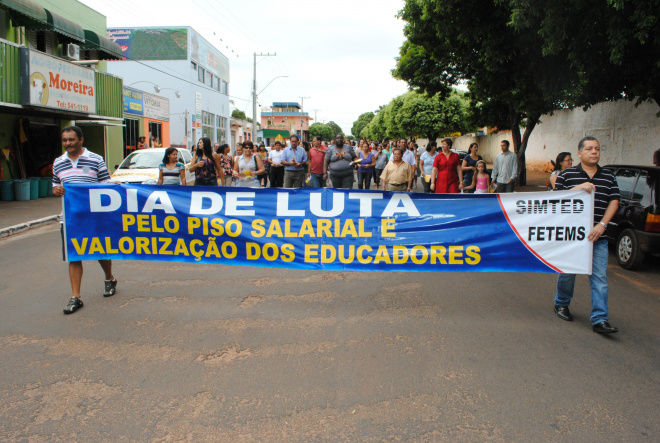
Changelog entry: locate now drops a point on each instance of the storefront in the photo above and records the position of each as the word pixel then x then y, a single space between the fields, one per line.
pixel 145 115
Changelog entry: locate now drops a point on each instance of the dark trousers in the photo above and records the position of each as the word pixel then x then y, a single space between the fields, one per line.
pixel 342 181
pixel 276 176
pixel 377 173
pixel 427 185
pixel 364 180
pixel 503 188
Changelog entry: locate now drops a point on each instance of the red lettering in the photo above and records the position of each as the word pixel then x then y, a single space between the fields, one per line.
pixel 54 81
pixel 75 87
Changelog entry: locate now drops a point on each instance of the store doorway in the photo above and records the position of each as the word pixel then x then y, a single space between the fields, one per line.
pixel 131 135
pixel 155 131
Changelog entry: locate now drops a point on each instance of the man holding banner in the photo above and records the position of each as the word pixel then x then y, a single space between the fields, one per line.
pixel 588 175
pixel 78 165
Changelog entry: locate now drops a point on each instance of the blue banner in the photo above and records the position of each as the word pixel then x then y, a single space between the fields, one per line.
pixel 330 229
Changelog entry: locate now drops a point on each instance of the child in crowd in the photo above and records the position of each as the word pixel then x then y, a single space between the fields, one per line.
pixel 481 180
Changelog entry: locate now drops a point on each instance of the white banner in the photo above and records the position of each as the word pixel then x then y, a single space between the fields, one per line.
pixel 55 83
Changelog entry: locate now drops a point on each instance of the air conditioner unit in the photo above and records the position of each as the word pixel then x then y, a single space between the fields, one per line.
pixel 72 52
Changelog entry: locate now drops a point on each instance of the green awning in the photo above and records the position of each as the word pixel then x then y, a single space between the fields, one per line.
pixel 108 48
pixel 25 12
pixel 271 133
pixel 65 27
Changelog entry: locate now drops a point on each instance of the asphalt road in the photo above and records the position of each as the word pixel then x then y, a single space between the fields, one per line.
pixel 198 353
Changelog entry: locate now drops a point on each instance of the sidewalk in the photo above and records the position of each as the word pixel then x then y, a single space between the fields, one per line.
pixel 18 216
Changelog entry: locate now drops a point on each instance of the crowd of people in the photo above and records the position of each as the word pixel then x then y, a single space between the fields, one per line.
pixel 390 165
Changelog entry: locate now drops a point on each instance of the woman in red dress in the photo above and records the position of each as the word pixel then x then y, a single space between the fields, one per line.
pixel 447 175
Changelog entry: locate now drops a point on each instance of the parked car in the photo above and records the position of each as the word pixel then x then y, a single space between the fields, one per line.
pixel 142 166
pixel 635 228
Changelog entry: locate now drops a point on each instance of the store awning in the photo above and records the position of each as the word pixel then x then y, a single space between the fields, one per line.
pixel 107 47
pixel 271 133
pixel 62 26
pixel 25 12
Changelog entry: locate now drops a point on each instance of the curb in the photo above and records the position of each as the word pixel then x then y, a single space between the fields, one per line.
pixel 12 230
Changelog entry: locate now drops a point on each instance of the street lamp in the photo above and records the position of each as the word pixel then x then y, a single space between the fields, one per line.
pixel 157 88
pixel 254 107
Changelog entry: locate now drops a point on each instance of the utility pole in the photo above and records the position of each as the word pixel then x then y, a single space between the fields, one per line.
pixel 315 111
pixel 254 94
pixel 302 116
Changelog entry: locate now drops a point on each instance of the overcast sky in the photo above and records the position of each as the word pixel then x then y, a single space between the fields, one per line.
pixel 339 54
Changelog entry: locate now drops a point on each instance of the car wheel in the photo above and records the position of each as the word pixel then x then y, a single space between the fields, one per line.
pixel 628 253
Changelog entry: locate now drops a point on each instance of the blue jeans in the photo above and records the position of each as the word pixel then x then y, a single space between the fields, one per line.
pixel 597 281
pixel 317 180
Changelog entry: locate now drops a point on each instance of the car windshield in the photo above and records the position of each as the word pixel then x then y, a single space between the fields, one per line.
pixel 142 160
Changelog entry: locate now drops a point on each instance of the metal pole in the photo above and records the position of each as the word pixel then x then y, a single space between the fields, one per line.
pixel 254 94
pixel 302 116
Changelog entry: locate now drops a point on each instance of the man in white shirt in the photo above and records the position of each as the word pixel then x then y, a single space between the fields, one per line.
pixel 505 169
pixel 276 167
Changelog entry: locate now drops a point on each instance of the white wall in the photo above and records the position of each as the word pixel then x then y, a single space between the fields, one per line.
pixel 627 134
pixel 183 79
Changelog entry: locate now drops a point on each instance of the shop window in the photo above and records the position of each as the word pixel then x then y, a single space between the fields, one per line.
pixel 131 135
pixel 155 130
pixel 208 79
pixel 200 74
pixel 225 87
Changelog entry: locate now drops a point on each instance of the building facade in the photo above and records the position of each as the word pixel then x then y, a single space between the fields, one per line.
pixel 53 75
pixel 181 66
pixel 284 117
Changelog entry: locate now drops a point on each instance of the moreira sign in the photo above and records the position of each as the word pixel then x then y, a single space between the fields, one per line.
pixel 51 82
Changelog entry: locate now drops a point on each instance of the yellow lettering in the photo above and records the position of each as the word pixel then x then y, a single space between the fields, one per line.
pixel 349 229
pixel 234 228
pixel 287 252
pixel 415 259
pixel 171 224
pixel 360 252
pixel 438 253
pixel 311 253
pixel 252 251
pixel 287 229
pixel 307 228
pixel 193 223
pixel 80 249
pixel 108 247
pixel 258 229
pixel 126 221
pixel 143 223
pixel 270 251
pixel 181 248
pixel 361 232
pixel 142 245
pixel 399 255
pixel 95 246
pixel 455 255
pixel 216 226
pixel 351 254
pixel 328 254
pixel 274 229
pixel 386 225
pixel 473 255
pixel 165 243
pixel 382 255
pixel 126 249
pixel 323 227
pixel 229 250
pixel 154 225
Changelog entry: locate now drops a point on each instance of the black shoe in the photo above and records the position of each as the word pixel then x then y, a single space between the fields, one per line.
pixel 110 287
pixel 605 328
pixel 74 304
pixel 563 313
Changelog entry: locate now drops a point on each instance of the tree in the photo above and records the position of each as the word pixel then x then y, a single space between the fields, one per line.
pixel 336 129
pixel 362 121
pixel 511 82
pixel 322 130
pixel 613 44
pixel 237 113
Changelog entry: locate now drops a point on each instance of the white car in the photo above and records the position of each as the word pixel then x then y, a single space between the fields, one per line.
pixel 142 166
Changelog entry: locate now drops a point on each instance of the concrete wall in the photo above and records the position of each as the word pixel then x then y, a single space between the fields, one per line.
pixel 627 134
